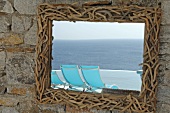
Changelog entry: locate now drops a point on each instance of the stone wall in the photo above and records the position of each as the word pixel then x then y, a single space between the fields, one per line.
pixel 18 29
pixel 163 97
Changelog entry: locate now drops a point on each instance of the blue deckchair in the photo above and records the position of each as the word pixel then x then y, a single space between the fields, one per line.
pixel 92 77
pixel 55 80
pixel 72 77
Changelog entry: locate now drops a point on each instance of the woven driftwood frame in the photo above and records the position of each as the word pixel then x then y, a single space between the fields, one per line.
pixel 145 102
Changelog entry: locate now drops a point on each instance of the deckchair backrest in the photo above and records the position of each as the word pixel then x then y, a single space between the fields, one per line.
pixel 92 76
pixel 71 75
pixel 54 78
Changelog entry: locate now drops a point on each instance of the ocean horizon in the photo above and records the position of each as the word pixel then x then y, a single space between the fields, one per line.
pixel 112 54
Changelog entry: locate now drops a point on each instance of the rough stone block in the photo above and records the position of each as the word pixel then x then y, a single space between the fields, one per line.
pixel 8 101
pixel 18 91
pixel 31 35
pixel 13 39
pixel 2 72
pixel 54 108
pixel 3 35
pixel 165 48
pixel 6 7
pixel 5 23
pixel 24 90
pixel 9 110
pixel 20 49
pixel 166 77
pixel 20 68
pixel 167 65
pixel 2 60
pixel 73 110
pixel 165 30
pixel 166 13
pixel 28 106
pixel 164 57
pixel 51 1
pixel 3 78
pixel 27 6
pixel 2 89
pixel 163 108
pixel 165 38
pixel 21 23
pixel 47 111
pixel 163 94
pixel 2 4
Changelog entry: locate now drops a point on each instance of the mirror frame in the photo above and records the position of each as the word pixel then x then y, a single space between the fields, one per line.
pixel 144 102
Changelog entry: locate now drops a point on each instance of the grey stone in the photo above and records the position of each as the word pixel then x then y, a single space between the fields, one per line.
pixel 9 110
pixel 164 38
pixel 51 1
pixel 163 108
pixel 2 4
pixel 13 39
pixel 21 23
pixel 2 60
pixel 163 94
pixel 167 77
pixel 165 57
pixel 2 73
pixel 30 36
pixel 166 12
pixel 54 108
pixel 20 69
pixel 4 24
pixel 27 6
pixel 3 78
pixel 165 30
pixel 165 48
pixel 22 90
pixel 27 106
pixel 164 62
pixel 8 100
pixel 103 111
pixel 167 65
pixel 2 89
pixel 2 35
pixel 7 8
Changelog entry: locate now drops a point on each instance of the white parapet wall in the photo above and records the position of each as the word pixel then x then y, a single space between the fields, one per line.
pixel 124 79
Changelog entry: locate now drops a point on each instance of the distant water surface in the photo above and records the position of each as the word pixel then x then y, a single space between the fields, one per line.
pixel 116 54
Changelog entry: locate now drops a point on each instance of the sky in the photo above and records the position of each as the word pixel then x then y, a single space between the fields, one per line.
pixel 65 30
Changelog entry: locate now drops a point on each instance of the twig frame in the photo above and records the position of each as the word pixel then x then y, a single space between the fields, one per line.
pixel 145 102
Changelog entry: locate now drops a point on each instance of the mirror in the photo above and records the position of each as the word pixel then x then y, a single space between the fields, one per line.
pixel 115 48
pixel 144 101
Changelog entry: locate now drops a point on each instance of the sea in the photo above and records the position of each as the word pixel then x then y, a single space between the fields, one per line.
pixel 112 54
pixel 114 57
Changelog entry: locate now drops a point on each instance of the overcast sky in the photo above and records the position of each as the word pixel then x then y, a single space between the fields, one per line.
pixel 65 30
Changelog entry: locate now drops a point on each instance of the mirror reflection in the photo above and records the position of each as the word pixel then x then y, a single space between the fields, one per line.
pixel 92 56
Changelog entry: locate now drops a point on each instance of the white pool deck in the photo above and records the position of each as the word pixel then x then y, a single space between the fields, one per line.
pixel 124 79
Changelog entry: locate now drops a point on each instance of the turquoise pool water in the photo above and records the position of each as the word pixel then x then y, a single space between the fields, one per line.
pixel 124 79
